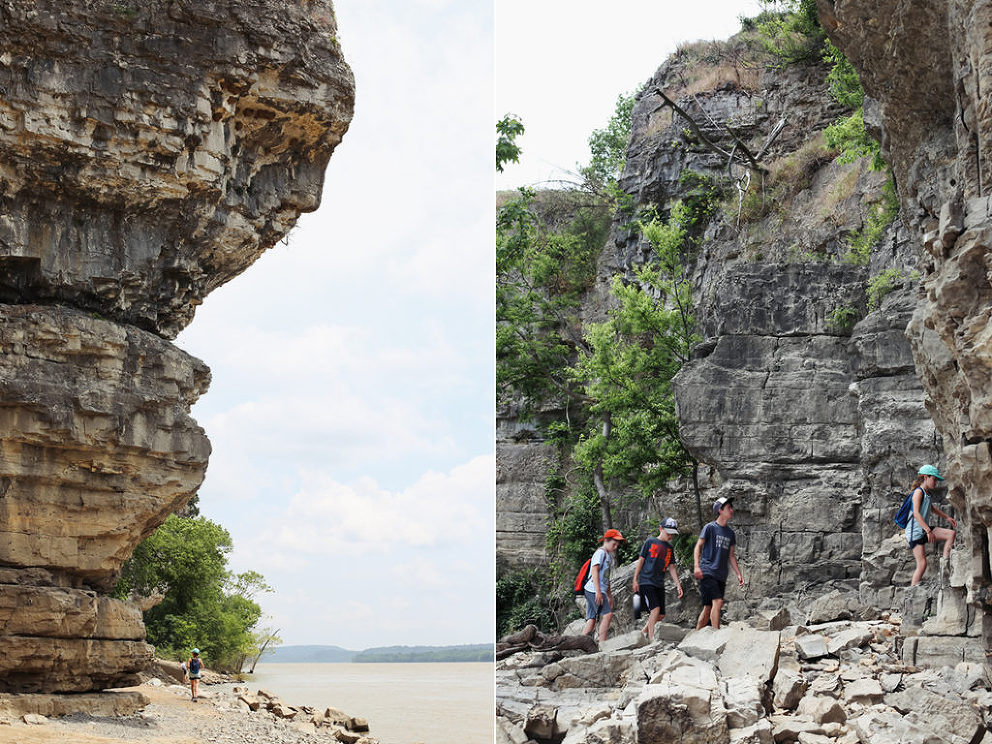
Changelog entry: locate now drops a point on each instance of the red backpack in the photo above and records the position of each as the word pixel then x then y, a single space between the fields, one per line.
pixel 582 578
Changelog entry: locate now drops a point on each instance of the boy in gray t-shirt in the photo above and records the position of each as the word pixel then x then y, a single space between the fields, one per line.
pixel 714 551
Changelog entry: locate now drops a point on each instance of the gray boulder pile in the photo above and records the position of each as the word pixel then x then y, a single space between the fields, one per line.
pixel 779 678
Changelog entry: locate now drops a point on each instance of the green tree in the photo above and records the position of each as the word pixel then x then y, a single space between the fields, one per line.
pixel 508 129
pixel 632 434
pixel 541 276
pixel 203 604
pixel 608 151
pixel 791 30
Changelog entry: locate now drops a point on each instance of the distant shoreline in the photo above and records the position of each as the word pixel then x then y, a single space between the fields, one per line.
pixel 481 652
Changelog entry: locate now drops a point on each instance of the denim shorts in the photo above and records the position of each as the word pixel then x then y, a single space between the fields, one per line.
pixel 593 610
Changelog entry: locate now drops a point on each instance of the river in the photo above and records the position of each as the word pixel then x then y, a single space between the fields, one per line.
pixel 434 703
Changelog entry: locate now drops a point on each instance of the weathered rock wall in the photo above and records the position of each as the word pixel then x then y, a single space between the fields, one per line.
pixel 933 116
pixel 816 426
pixel 149 152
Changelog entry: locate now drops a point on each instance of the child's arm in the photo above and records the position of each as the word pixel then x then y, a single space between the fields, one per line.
pixel 675 577
pixel 637 573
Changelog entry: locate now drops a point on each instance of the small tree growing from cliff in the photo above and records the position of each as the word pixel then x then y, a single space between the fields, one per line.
pixel 632 435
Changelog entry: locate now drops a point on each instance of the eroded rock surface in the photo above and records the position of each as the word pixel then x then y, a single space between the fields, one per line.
pixel 742 685
pixel 932 113
pixel 149 152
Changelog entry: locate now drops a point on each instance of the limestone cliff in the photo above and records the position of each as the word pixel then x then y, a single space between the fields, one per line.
pixel 802 402
pixel 149 152
pixel 932 113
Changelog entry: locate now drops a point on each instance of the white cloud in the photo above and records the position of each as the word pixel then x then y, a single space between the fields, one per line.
pixel 352 365
pixel 328 518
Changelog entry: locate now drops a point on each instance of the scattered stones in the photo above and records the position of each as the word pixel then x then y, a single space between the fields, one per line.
pixel 811 647
pixel 740 685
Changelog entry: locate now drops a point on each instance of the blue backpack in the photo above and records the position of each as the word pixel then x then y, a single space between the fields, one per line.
pixel 194 666
pixel 905 512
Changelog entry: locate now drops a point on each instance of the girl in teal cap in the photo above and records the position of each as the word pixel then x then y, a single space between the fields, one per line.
pixel 194 668
pixel 919 532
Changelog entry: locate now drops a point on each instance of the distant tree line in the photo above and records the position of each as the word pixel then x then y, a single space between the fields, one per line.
pixel 416 654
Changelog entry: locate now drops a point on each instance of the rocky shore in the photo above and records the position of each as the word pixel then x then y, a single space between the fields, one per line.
pixel 783 676
pixel 163 713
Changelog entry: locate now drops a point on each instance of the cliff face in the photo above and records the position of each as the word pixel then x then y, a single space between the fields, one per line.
pixel 933 116
pixel 149 152
pixel 803 403
pixel 815 426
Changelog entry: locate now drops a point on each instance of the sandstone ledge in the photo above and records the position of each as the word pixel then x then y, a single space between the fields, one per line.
pixel 120 703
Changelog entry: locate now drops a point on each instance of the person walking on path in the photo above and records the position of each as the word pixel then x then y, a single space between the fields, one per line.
pixel 599 596
pixel 713 552
pixel 195 669
pixel 919 531
pixel 649 575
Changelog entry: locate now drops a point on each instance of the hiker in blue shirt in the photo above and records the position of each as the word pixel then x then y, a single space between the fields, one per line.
pixel 194 668
pixel 919 532
pixel 714 551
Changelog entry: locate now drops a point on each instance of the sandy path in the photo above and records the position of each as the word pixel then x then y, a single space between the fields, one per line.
pixel 167 720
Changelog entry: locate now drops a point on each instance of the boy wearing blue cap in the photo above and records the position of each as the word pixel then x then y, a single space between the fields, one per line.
pixel 714 551
pixel 919 532
pixel 649 576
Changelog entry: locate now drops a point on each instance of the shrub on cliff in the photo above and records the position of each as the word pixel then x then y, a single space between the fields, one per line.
pixel 204 604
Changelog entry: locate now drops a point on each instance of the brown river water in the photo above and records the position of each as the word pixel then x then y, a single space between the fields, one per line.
pixel 438 703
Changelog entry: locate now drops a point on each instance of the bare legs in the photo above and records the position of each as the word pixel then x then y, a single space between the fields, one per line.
pixel 710 615
pixel 604 626
pixel 919 552
pixel 653 618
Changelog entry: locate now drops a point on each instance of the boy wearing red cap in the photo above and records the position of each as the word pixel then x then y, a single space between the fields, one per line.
pixel 599 596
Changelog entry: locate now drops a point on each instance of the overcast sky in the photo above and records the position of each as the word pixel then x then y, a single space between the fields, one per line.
pixel 351 408
pixel 561 65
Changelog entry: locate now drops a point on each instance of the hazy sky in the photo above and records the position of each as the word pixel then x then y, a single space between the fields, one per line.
pixel 351 408
pixel 561 65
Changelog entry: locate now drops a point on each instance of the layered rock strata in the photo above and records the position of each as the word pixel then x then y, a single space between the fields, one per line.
pixel 816 426
pixel 149 152
pixel 932 115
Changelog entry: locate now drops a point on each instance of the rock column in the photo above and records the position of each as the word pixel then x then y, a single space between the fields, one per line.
pixel 149 152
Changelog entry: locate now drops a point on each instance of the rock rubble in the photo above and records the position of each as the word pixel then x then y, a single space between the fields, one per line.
pixel 223 715
pixel 839 681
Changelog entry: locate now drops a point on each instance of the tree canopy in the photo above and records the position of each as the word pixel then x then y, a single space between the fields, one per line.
pixel 204 604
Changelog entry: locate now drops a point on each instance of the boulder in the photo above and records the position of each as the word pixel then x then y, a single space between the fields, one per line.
pixel 821 709
pixel 943 713
pixel 810 647
pixel 863 691
pixel 706 643
pixel 541 722
pixel 857 636
pixel 758 733
pixel 626 641
pixel 683 713
pixel 789 685
pixel 743 697
pixel 749 652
